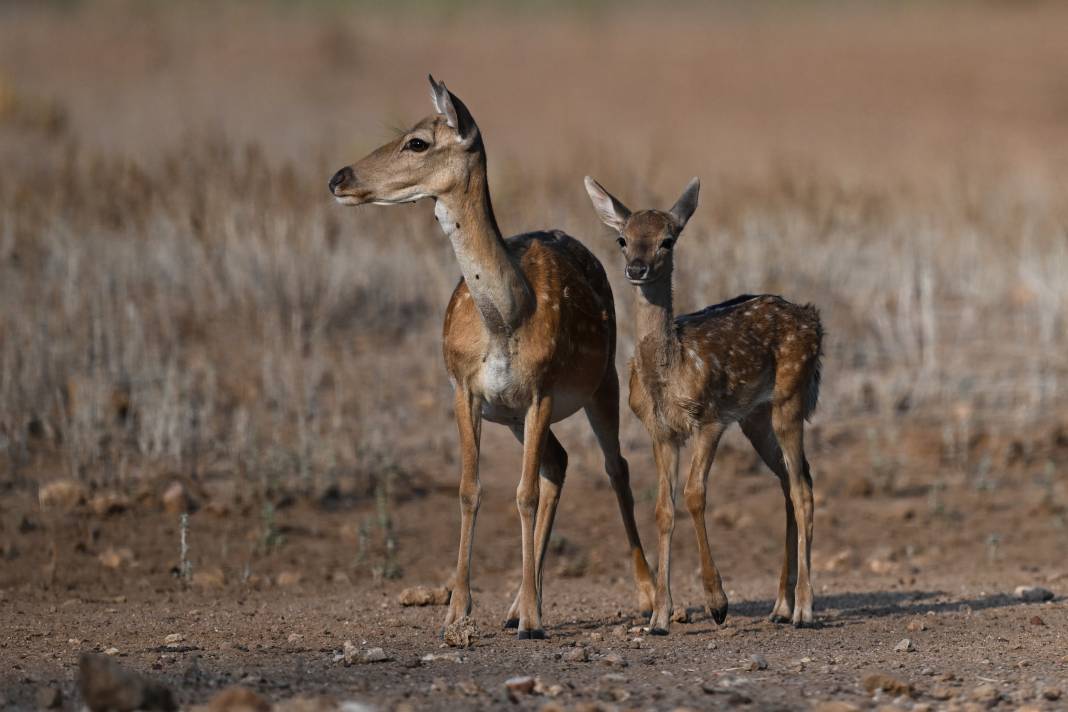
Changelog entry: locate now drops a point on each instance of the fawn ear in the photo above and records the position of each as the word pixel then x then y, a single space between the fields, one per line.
pixel 613 213
pixel 686 204
pixel 455 112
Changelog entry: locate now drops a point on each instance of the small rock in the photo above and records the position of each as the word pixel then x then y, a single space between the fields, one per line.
pixel 917 624
pixel 374 655
pixel 105 685
pixel 541 688
pixel 469 688
pixel 112 651
pixel 681 615
pixel 289 578
pixel 61 495
pixel 49 698
pixel 986 694
pixel 887 683
pixel 518 686
pixel 461 633
pixel 1035 620
pixel 835 706
pixel 112 558
pixel 238 699
pixel 173 638
pixel 614 660
pixel 1052 693
pixel 1033 594
pixel 209 578
pixel 424 596
pixel 756 662
pixel 577 655
pixel 175 500
pixel 942 693
pixel 294 638
pixel 905 646
pixel 103 505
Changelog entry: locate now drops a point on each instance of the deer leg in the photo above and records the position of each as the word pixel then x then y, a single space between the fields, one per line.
pixel 704 453
pixel 603 415
pixel 535 431
pixel 757 428
pixel 553 469
pixel 667 466
pixel 468 411
pixel 788 424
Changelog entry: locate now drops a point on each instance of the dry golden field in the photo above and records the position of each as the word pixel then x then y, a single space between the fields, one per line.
pixel 182 301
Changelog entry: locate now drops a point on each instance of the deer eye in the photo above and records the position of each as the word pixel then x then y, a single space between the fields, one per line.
pixel 417 145
pixel 667 244
pixel 622 242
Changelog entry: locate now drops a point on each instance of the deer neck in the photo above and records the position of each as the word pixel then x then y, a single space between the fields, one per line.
pixel 500 291
pixel 655 332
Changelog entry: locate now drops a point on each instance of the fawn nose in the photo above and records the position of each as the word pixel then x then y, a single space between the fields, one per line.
pixel 345 175
pixel 637 270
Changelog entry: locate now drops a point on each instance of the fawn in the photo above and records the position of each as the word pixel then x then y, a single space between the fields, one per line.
pixel 529 339
pixel 754 360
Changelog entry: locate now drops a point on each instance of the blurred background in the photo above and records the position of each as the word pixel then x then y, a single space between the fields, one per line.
pixel 181 300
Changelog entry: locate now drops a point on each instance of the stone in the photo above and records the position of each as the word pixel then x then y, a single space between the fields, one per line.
pixel 61 495
pixel 105 685
pixel 887 683
pixel 835 706
pixel 1052 693
pixel 1035 620
pixel 237 699
pixel 289 578
pixel 756 662
pixel 461 633
pixel 905 646
pixel 374 655
pixel 518 686
pixel 614 660
pixel 577 655
pixel 986 694
pixel 174 499
pixel 424 596
pixel 103 505
pixel 209 578
pixel 1033 594
pixel 917 624
pixel 942 693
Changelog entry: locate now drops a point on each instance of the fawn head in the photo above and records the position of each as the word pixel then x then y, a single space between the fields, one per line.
pixel 647 237
pixel 431 159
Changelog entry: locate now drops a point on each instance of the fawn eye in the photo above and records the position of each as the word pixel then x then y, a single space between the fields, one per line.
pixel 622 242
pixel 667 244
pixel 416 144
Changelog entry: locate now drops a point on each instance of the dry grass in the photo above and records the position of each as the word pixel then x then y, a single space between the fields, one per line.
pixel 179 294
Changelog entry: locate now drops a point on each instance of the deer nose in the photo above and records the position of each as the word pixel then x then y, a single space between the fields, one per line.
pixel 637 270
pixel 345 175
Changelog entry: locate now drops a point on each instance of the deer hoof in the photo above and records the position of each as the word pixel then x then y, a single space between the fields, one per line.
pixel 776 618
pixel 536 634
pixel 806 624
pixel 511 623
pixel 658 631
pixel 718 614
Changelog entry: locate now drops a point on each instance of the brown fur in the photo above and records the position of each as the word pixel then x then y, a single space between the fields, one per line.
pixel 754 360
pixel 529 338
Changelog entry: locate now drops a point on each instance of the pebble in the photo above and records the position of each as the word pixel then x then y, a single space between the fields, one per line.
pixel 917 624
pixel 173 638
pixel 887 683
pixel 615 660
pixel 1052 693
pixel 905 646
pixel 374 655
pixel 461 633
pixel 424 596
pixel 942 693
pixel 756 662
pixel 986 693
pixel 1033 594
pixel 1035 620
pixel 577 655
pixel 521 685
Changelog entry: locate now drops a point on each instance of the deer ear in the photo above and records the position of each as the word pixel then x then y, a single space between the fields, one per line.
pixel 455 112
pixel 613 213
pixel 686 204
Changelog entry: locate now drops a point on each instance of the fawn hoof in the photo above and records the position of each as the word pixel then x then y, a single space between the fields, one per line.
pixel 658 631
pixel 536 634
pixel 776 618
pixel 805 624
pixel 511 623
pixel 719 614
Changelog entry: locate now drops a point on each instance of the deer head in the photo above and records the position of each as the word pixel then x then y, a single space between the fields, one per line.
pixel 647 237
pixel 431 159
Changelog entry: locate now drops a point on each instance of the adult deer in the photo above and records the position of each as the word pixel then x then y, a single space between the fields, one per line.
pixel 753 360
pixel 529 339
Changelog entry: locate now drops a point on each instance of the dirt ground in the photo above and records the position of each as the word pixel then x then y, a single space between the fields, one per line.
pixel 938 568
